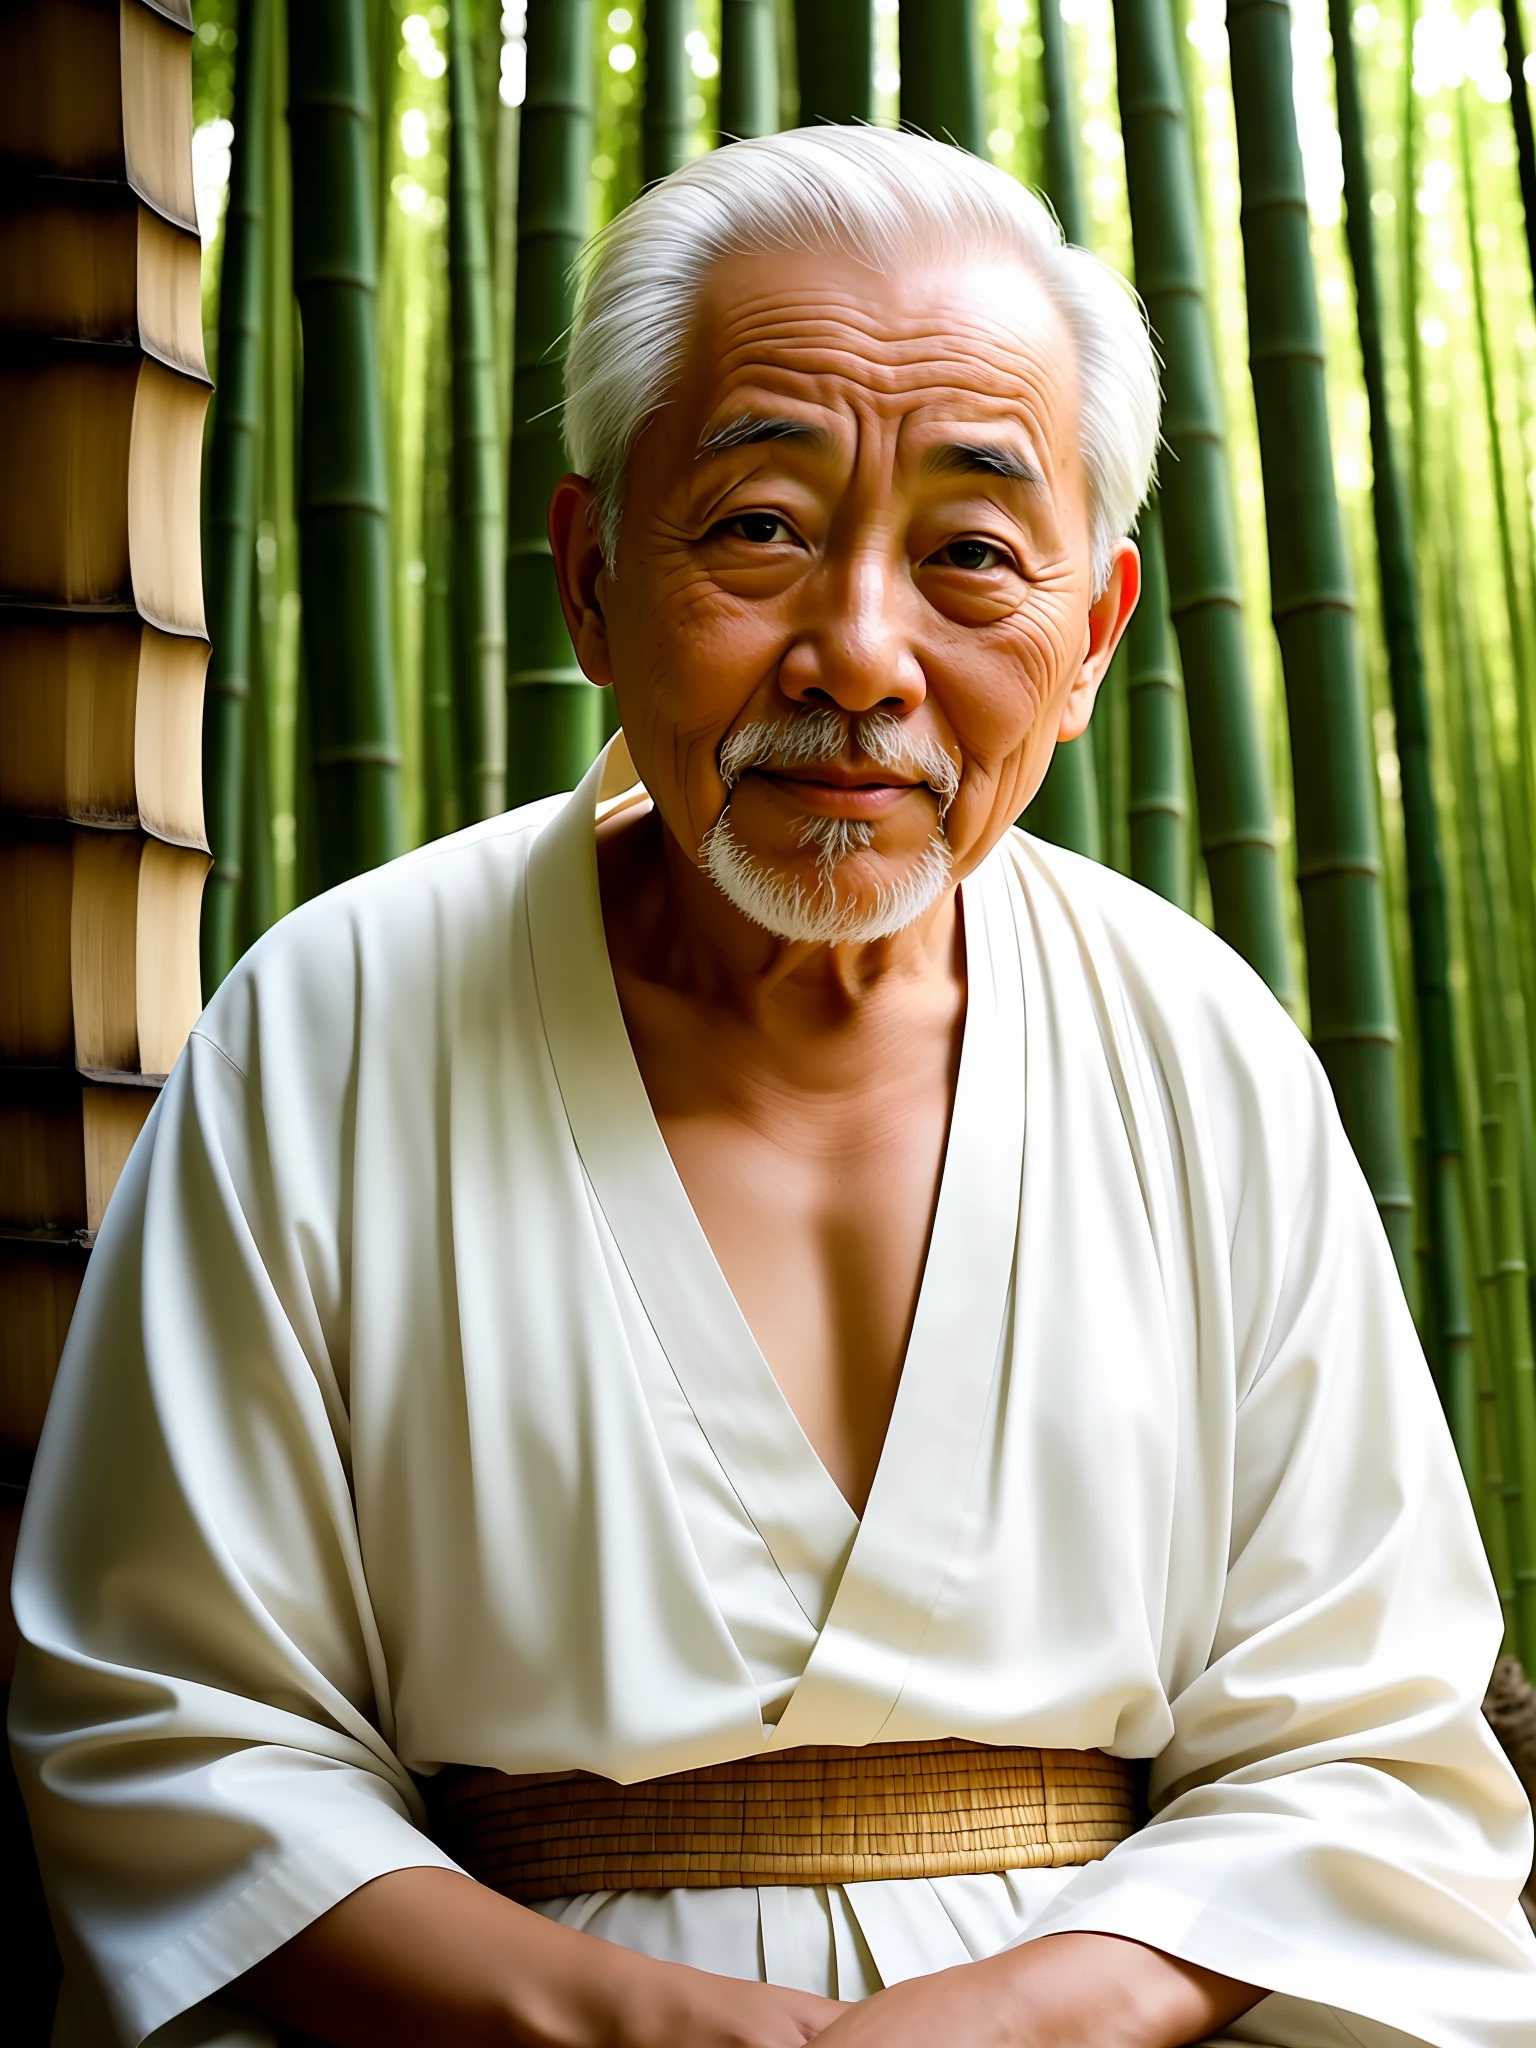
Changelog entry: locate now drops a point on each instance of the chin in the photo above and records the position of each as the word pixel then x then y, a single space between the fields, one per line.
pixel 847 895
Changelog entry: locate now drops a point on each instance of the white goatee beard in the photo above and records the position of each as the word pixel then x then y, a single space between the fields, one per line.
pixel 813 916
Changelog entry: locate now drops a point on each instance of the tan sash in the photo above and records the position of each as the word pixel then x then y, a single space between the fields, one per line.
pixel 794 1816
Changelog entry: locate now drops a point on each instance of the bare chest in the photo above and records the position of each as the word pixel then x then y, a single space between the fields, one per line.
pixel 818 1208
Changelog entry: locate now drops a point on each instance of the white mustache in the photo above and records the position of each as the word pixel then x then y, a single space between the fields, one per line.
pixel 823 734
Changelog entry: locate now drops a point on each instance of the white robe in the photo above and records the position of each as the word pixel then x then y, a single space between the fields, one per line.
pixel 408 1419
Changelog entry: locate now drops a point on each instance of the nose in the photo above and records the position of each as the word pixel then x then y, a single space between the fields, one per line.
pixel 855 652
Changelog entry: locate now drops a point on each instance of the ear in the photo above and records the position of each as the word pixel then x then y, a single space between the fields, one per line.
pixel 1108 617
pixel 581 573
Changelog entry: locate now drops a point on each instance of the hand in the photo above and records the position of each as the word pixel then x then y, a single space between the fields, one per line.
pixel 426 1956
pixel 666 2005
pixel 1063 1991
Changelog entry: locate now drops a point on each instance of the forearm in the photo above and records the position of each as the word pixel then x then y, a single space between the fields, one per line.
pixel 427 1958
pixel 1100 1991
pixel 428 1955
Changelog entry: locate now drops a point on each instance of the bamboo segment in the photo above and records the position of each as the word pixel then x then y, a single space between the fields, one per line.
pixel 835 60
pixel 1199 525
pixel 1338 861
pixel 665 130
pixel 232 496
pixel 1520 115
pixel 1065 808
pixel 479 529
pixel 1429 928
pixel 749 69
pixel 941 72
pixel 1063 166
pixel 554 716
pixel 1512 1281
pixel 343 495
pixel 1159 812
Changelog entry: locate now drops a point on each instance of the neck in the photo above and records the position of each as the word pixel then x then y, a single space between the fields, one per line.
pixel 667 922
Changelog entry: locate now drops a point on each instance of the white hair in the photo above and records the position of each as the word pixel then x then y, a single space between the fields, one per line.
pixel 885 198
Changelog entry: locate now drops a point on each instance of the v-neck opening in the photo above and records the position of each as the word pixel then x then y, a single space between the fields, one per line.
pixel 808 1525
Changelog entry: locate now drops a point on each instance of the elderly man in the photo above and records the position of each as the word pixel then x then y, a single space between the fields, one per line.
pixel 694 1395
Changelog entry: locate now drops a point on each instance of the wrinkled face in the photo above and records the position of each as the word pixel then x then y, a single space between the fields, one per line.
pixel 852 610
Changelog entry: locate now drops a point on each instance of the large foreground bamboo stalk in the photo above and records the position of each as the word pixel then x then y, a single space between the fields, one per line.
pixel 1428 920
pixel 1338 860
pixel 941 72
pixel 554 716
pixel 749 69
pixel 1065 808
pixel 343 495
pixel 1157 806
pixel 231 560
pixel 665 129
pixel 1199 525
pixel 479 533
pixel 835 60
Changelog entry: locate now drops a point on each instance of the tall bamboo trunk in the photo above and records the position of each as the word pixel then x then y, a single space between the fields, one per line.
pixel 1520 115
pixel 1338 861
pixel 343 496
pixel 665 129
pixel 835 60
pixel 1199 525
pixel 231 558
pixel 1429 928
pixel 941 72
pixel 1065 808
pixel 554 716
pixel 749 69
pixel 1159 811
pixel 479 533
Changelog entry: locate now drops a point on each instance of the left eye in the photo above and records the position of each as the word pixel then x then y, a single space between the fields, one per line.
pixel 970 554
pixel 761 528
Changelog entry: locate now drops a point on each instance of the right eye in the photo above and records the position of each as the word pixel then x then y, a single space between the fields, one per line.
pixel 762 529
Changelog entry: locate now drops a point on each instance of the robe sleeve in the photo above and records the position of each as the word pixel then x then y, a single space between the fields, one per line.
pixel 1332 1818
pixel 200 1715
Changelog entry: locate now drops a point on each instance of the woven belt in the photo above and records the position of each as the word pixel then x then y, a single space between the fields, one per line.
pixel 793 1816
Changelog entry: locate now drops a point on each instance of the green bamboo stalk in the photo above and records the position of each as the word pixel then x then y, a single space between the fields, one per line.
pixel 1517 800
pixel 1062 153
pixel 1408 214
pixel 258 911
pixel 554 716
pixel 1515 1305
pixel 749 69
pixel 1428 918
pixel 1520 115
pixel 1199 523
pixel 941 91
pixel 232 469
pixel 665 129
pixel 449 788
pixel 479 529
pixel 1111 760
pixel 1512 604
pixel 1338 860
pixel 1065 808
pixel 343 501
pixel 1492 1499
pixel 1158 808
pixel 835 60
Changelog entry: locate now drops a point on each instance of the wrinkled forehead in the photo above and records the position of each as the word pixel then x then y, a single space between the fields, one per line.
pixel 977 338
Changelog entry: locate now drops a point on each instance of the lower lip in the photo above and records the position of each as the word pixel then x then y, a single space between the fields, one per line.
pixel 834 800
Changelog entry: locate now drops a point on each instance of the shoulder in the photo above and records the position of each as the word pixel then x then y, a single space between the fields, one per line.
pixel 1208 1024
pixel 387 943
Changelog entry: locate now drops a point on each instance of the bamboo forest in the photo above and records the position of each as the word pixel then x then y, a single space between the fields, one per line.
pixel 1330 214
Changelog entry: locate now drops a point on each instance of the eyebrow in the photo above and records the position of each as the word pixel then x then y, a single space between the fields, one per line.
pixel 750 428
pixel 982 458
